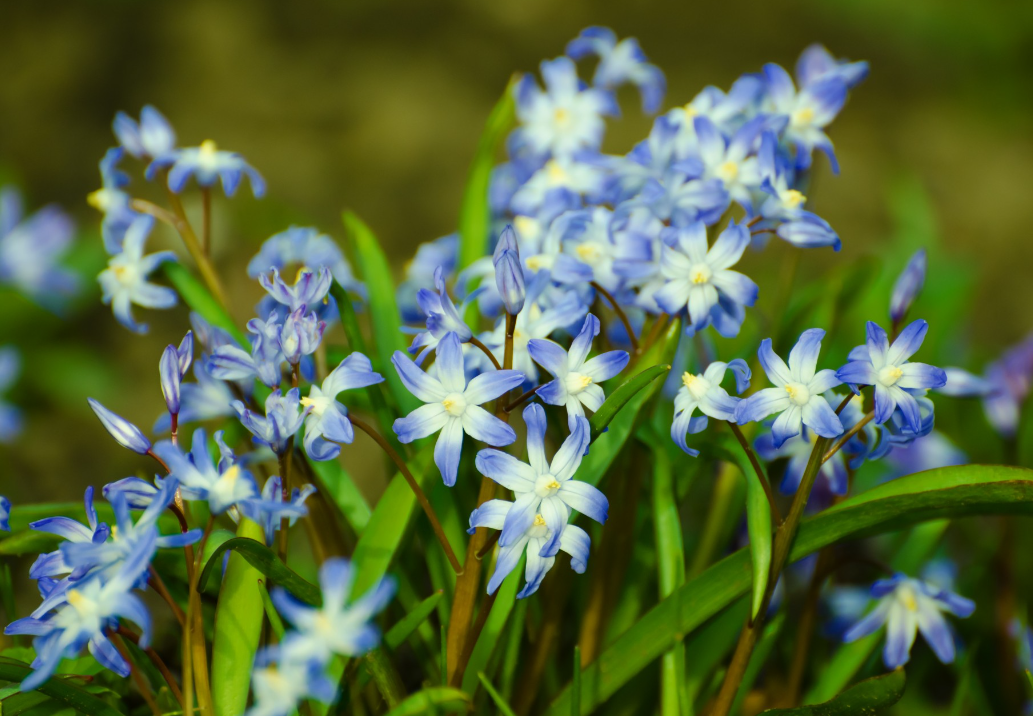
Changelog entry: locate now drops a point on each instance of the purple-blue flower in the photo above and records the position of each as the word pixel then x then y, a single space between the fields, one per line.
pixel 576 378
pixel 283 417
pixel 125 433
pixel 619 63
pixel 798 392
pixel 221 485
pixel 307 248
pixel 11 419
pixel 207 164
pixel 152 137
pixel 908 286
pixel 896 380
pixel 541 487
pixel 703 392
pixel 453 405
pixel 124 282
pixel 442 318
pixel 327 424
pixel 509 272
pixel 172 367
pixel 31 247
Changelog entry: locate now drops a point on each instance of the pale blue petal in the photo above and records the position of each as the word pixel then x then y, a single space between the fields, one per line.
pixel 425 420
pixel 537 425
pixel 490 385
pixel 775 368
pixel 549 355
pixel 787 425
pixel 424 387
pixel 586 499
pixel 448 449
pixel 482 425
pixel 506 470
pixel 605 366
pixel 449 364
pixel 819 416
pixel 908 342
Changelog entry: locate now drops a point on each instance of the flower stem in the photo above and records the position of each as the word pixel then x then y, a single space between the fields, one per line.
pixel 513 405
pixel 421 497
pixel 845 437
pixel 758 468
pixel 141 683
pixel 784 536
pixel 206 220
pixel 157 661
pixel 620 314
pixel 186 232
pixel 474 341
pixel 284 459
pixel 159 586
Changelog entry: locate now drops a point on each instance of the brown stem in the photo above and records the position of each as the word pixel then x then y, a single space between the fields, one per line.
pixel 758 468
pixel 620 314
pixel 751 631
pixel 805 630
pixel 141 683
pixel 159 587
pixel 161 462
pixel 492 541
pixel 193 245
pixel 522 399
pixel 655 332
pixel 845 437
pixel 421 497
pixel 754 221
pixel 475 341
pixel 470 578
pixel 284 460
pixel 475 631
pixel 846 402
pixel 143 206
pixel 157 661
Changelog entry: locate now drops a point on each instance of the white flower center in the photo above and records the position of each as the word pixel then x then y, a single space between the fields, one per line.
pixel 792 199
pixel 318 403
pixel 798 393
pixel 207 155
pixel 889 375
pixel 802 117
pixel 589 251
pixel 697 385
pixel 455 404
pixel 906 596
pixel 576 382
pixel 538 528
pixel 546 486
pixel 700 273
pixel 103 200
pixel 727 171
pixel 126 274
pixel 554 170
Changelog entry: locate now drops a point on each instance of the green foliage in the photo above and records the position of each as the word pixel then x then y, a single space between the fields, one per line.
pixel 63 690
pixel 870 697
pixel 265 561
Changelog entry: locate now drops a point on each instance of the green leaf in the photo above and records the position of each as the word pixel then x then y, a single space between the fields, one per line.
pixel 265 561
pixel 500 703
pixel 757 658
pixel 868 697
pixel 969 490
pixel 620 397
pixel 197 297
pixel 389 522
pixel 670 558
pixel 384 316
pixel 408 624
pixel 475 213
pixel 28 542
pixel 491 634
pixel 758 521
pixel 432 698
pixel 238 615
pixel 609 444
pixel 63 690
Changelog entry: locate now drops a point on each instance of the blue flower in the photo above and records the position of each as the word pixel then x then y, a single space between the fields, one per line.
pixel 574 541
pixel 174 364
pixel 53 564
pixel 222 486
pixel 430 255
pixel 300 335
pixel 90 611
pixel 207 164
pixel 908 286
pixel 309 289
pixel 206 399
pixel 124 281
pixel 152 137
pixel 1003 388
pixel 341 625
pixel 907 606
pixel 816 64
pixel 327 424
pixel 5 514
pixel 283 417
pixel 925 453
pixel 279 688
pixel 110 200
pixel 544 488
pixel 307 248
pixel 269 510
pixel 895 378
pixel 703 392
pixel 619 63
pixel 565 118
pixel 125 433
pixel 726 110
pixel 453 405
pixel 442 318
pixel 11 419
pixel 229 361
pixel 798 392
pixel 808 111
pixel 699 280
pixel 576 380
pixel 561 182
pixel 31 247
pixel 509 272
pixel 784 203
pixel 731 161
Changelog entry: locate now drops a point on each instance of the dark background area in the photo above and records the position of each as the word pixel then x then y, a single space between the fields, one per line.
pixel 377 106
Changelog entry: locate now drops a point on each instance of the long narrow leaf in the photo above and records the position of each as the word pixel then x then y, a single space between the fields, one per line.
pixel 409 623
pixel 59 689
pixel 195 295
pixel 974 490
pixel 872 696
pixel 266 562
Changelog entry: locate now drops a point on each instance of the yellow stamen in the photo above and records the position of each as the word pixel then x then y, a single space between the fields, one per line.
pixel 539 521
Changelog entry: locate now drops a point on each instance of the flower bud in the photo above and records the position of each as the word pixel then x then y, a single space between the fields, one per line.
pixel 509 273
pixel 908 286
pixel 168 369
pixel 125 433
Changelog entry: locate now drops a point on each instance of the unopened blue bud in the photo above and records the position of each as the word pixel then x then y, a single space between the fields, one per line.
pixel 509 273
pixel 125 433
pixel 168 369
pixel 908 286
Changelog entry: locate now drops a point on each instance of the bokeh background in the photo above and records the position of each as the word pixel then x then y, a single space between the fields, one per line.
pixel 377 106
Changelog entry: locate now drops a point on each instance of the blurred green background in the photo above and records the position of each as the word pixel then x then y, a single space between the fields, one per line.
pixel 377 106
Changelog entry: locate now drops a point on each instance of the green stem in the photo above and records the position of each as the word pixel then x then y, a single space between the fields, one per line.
pixel 620 314
pixel 784 536
pixel 757 468
pixel 196 250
